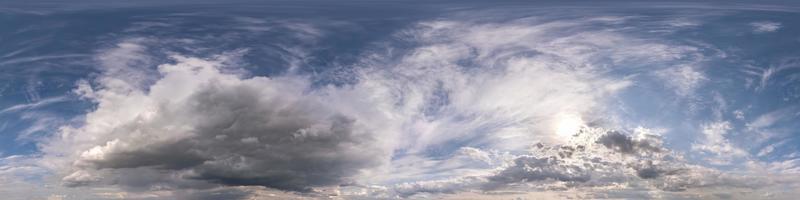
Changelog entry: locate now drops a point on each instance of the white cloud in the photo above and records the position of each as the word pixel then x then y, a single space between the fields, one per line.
pixel 683 79
pixel 769 119
pixel 738 114
pixel 765 26
pixel 717 143
pixel 790 166
pixel 127 63
pixel 36 104
pixel 766 150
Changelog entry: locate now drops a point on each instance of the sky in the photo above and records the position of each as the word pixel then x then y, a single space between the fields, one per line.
pixel 399 100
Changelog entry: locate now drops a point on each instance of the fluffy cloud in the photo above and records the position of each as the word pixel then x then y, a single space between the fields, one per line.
pixel 596 152
pixel 199 124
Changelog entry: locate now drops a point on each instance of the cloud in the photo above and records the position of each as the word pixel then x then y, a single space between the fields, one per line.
pixel 738 114
pixel 418 189
pixel 195 125
pixel 765 26
pixel 128 63
pixel 32 59
pixel 683 79
pixel 589 163
pixel 771 118
pixel 37 104
pixel 716 142
pixel 472 85
pixel 582 165
pixel 527 168
pixel 457 111
pixel 219 128
pixel 625 144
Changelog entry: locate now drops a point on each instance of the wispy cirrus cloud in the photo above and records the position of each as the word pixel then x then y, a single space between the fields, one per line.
pixel 36 104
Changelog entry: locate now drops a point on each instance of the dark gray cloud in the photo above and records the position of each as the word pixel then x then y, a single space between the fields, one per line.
pixel 648 170
pixel 625 144
pixel 646 149
pixel 529 168
pixel 235 132
pixel 280 146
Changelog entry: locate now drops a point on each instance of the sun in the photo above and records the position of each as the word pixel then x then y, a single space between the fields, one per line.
pixel 567 124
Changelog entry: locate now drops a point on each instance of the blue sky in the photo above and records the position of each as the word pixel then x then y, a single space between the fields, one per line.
pixel 399 100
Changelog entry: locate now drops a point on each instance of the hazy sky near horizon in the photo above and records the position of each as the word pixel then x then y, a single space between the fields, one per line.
pixel 399 100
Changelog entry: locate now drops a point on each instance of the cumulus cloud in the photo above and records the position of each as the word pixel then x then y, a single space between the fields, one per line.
pixel 594 158
pixel 222 129
pixel 603 158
